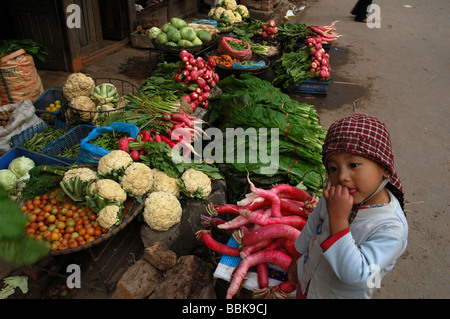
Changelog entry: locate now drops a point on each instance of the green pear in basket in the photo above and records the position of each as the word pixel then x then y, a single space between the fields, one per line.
pixel 105 93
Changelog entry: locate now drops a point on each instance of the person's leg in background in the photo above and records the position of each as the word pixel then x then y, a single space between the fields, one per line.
pixel 360 10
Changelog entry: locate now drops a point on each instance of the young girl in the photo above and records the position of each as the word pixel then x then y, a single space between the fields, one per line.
pixel 358 229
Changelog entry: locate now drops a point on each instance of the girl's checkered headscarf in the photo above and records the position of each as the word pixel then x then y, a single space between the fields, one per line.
pixel 366 136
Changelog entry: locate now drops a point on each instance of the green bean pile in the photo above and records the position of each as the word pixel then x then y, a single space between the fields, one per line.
pixel 40 140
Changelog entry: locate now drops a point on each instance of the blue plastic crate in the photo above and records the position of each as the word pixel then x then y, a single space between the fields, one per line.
pixel 310 87
pixel 68 140
pixel 51 95
pixel 38 159
pixel 19 140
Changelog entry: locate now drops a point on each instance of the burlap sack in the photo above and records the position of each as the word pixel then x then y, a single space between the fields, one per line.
pixel 19 79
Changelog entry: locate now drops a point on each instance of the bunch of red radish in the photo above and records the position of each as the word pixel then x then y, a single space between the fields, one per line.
pixel 320 65
pixel 200 73
pixel 324 32
pixel 180 130
pixel 269 30
pixel 266 224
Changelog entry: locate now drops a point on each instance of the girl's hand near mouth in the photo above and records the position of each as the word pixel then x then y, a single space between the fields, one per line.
pixel 339 205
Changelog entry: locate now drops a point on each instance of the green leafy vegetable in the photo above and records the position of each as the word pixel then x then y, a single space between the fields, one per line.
pixel 36 50
pixel 43 178
pixel 292 68
pixel 249 102
pixel 12 283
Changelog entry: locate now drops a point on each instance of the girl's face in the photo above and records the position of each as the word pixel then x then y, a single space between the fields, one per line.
pixel 359 174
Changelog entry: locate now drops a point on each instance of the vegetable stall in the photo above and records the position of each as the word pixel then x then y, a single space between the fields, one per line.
pixel 115 153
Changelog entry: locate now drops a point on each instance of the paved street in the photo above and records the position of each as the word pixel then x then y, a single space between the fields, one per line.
pixel 399 73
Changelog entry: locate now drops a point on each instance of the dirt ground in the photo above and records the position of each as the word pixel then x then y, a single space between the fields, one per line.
pixel 398 73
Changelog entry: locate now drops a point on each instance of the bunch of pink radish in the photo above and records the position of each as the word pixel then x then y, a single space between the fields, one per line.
pixel 178 131
pixel 324 32
pixel 269 30
pixel 266 224
pixel 199 73
pixel 320 65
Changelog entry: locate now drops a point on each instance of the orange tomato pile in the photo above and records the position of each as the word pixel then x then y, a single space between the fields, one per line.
pixel 62 224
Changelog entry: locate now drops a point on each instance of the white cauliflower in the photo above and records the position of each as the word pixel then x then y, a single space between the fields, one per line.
pixel 218 12
pixel 243 11
pixel 84 173
pixel 78 84
pixel 109 216
pixel 162 211
pixel 114 164
pixel 227 4
pixel 230 15
pixel 138 179
pixel 85 106
pixel 195 183
pixel 164 183
pixel 109 190
pixel 237 17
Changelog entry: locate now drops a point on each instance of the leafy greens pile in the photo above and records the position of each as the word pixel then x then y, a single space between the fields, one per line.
pixel 248 102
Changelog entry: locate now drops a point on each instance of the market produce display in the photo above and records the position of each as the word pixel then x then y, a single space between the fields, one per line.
pixel 158 167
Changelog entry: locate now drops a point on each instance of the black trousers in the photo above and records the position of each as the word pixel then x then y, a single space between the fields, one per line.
pixel 360 9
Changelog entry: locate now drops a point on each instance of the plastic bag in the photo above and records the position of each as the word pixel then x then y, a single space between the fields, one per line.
pixel 19 78
pixel 23 117
pixel 253 65
pixel 225 48
pixel 90 153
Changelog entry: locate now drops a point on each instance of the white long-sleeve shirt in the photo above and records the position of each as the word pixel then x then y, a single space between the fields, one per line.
pixel 351 263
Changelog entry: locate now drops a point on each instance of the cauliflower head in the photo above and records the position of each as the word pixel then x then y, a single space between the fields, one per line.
pixel 114 163
pixel 84 173
pixel 243 11
pixel 228 4
pixel 85 106
pixel 218 12
pixel 109 216
pixel 195 183
pixel 162 211
pixel 164 183
pixel 138 179
pixel 237 17
pixel 78 84
pixel 230 15
pixel 109 190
